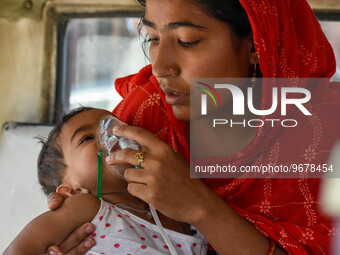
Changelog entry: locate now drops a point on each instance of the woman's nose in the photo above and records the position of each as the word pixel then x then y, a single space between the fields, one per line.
pixel 163 61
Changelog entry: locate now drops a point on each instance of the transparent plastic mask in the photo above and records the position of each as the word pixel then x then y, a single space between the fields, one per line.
pixel 111 143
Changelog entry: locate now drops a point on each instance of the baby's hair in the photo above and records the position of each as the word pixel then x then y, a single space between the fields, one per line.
pixel 51 166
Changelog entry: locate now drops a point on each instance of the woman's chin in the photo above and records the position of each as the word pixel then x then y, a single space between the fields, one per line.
pixel 181 112
pixel 184 113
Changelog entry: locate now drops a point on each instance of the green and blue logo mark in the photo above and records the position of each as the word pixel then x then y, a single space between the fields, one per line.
pixel 204 96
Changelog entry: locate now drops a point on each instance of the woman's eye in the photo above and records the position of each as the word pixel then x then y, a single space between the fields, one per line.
pixel 85 139
pixel 188 44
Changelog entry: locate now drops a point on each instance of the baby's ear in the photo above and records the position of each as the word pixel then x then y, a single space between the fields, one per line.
pixel 82 191
pixel 65 189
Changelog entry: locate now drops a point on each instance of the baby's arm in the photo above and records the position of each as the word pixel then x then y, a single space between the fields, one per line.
pixel 52 227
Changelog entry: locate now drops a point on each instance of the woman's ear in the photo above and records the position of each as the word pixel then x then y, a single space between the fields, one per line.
pixel 253 57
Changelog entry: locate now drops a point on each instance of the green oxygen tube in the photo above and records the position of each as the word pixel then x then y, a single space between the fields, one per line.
pixel 100 173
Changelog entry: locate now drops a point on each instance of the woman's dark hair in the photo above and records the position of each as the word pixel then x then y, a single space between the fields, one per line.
pixel 51 166
pixel 227 11
pixel 230 12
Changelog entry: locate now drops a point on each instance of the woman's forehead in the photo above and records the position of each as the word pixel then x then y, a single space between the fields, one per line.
pixel 171 11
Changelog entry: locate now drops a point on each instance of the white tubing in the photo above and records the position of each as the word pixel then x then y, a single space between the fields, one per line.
pixel 161 229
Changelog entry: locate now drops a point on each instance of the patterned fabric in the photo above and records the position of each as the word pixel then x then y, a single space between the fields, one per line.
pixel 290 44
pixel 121 232
pixel 144 105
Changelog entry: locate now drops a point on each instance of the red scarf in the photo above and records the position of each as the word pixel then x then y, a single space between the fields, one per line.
pixel 290 43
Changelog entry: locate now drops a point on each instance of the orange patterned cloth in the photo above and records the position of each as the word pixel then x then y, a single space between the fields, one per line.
pixel 144 105
pixel 290 44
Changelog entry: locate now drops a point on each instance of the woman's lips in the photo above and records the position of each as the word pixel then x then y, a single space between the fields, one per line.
pixel 174 98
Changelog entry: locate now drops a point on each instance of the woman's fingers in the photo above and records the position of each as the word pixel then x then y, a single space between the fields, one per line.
pixel 140 135
pixel 130 156
pixel 82 248
pixel 139 190
pixel 53 250
pixel 123 156
pixel 135 175
pixel 151 145
pixel 80 238
pixel 55 200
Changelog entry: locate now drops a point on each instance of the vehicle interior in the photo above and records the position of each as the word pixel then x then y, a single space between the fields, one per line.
pixel 56 55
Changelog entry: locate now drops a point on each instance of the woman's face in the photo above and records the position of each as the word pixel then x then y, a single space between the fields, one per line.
pixel 186 43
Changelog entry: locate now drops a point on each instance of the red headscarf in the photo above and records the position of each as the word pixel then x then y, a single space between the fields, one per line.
pixel 290 43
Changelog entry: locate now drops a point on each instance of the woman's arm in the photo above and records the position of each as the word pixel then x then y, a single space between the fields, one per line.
pixel 227 231
pixel 78 242
pixel 52 227
pixel 165 184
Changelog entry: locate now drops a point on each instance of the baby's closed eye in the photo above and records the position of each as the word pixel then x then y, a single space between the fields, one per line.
pixel 85 139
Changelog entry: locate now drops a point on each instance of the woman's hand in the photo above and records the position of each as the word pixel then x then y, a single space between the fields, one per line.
pixel 55 200
pixel 166 185
pixel 165 181
pixel 78 242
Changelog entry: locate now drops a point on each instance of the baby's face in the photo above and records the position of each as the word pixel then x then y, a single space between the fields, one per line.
pixel 80 143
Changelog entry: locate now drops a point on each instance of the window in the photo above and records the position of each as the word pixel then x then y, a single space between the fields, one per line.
pixel 331 30
pixel 93 53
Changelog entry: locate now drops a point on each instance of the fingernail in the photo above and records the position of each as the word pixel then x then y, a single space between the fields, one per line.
pixel 89 229
pixel 88 243
pixel 115 129
pixel 108 159
pixel 50 199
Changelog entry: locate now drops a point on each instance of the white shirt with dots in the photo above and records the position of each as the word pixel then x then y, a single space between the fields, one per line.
pixel 120 232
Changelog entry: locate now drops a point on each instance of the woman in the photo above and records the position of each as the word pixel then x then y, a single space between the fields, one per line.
pixel 201 39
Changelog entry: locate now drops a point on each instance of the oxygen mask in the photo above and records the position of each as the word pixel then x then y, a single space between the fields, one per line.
pixel 111 143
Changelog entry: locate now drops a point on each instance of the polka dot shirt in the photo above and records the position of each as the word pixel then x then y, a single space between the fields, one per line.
pixel 120 232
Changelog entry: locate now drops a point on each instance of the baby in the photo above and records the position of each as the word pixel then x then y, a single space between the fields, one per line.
pixel 68 164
